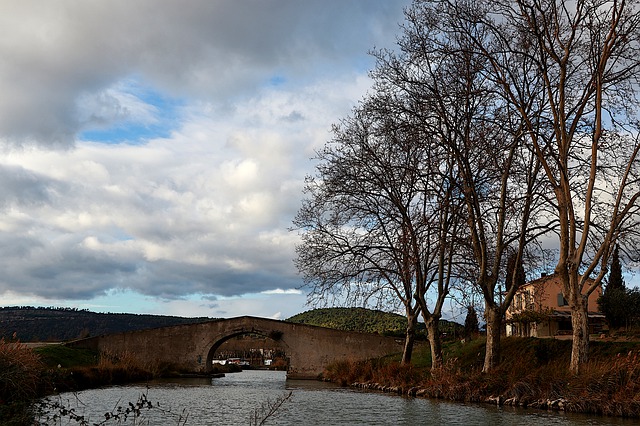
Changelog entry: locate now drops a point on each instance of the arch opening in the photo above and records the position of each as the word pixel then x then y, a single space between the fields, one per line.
pixel 249 349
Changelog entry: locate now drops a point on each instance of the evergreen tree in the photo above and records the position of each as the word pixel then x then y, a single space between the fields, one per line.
pixel 616 303
pixel 616 281
pixel 471 326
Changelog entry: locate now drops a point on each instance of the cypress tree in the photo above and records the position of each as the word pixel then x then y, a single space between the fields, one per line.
pixel 616 303
pixel 471 325
pixel 615 273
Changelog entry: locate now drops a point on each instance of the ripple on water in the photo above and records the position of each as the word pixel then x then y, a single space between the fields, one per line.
pixel 232 399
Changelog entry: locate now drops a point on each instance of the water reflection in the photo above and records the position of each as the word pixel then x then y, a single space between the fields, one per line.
pixel 231 400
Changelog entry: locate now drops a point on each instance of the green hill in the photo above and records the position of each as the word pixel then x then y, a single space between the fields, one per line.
pixel 365 320
pixel 31 324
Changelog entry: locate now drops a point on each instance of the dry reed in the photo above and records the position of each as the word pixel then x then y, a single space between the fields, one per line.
pixel 20 383
pixel 534 373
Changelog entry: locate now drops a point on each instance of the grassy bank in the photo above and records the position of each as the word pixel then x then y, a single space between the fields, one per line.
pixel 533 373
pixel 27 375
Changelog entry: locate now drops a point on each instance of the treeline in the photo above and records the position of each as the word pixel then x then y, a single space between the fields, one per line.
pixel 46 308
pixel 36 324
pixel 366 321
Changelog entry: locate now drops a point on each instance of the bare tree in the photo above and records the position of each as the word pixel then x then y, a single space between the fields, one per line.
pixel 576 62
pixel 438 240
pixel 483 137
pixel 363 225
pixel 435 266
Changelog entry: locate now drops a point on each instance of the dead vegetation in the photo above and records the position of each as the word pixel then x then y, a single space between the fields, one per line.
pixel 533 373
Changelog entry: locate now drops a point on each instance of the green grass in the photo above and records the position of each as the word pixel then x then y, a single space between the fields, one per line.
pixel 469 355
pixel 66 357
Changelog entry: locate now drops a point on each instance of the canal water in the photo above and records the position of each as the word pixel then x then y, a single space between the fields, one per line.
pixel 233 399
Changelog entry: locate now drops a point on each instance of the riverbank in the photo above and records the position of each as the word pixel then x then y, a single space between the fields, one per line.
pixel 28 374
pixel 533 374
pixel 72 369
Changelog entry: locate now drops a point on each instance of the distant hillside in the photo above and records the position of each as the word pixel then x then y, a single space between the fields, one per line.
pixel 31 324
pixel 364 320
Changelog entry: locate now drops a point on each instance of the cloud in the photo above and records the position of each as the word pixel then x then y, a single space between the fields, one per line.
pixel 281 291
pixel 64 55
pixel 204 211
pixel 24 189
pixel 186 131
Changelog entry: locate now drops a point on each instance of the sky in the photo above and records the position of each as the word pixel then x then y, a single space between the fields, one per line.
pixel 153 152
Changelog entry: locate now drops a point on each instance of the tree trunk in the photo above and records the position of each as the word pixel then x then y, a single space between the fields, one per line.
pixel 493 316
pixel 409 338
pixel 433 331
pixel 580 324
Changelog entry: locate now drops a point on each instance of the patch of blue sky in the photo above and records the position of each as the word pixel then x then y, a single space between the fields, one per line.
pixel 277 80
pixel 364 64
pixel 118 234
pixel 140 114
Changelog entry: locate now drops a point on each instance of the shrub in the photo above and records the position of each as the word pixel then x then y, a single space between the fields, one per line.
pixel 387 373
pixel 20 371
pixel 533 372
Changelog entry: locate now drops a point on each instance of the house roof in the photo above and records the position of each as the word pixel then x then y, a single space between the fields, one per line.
pixel 543 280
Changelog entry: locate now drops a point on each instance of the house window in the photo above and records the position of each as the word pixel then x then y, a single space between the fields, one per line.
pixel 561 300
pixel 519 301
pixel 528 301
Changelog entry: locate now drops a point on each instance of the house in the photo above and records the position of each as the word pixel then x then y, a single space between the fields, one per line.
pixel 539 309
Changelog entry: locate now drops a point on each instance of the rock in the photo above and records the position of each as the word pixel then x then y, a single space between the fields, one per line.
pixel 557 404
pixel 511 401
pixel 495 400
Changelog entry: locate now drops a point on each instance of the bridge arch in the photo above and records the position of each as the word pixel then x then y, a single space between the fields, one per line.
pixel 188 347
pixel 218 341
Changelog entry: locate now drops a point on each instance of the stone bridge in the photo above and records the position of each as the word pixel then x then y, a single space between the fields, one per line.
pixel 191 347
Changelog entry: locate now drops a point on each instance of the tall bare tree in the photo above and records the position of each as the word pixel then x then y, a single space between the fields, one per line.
pixel 577 63
pixel 438 242
pixel 483 137
pixel 367 225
